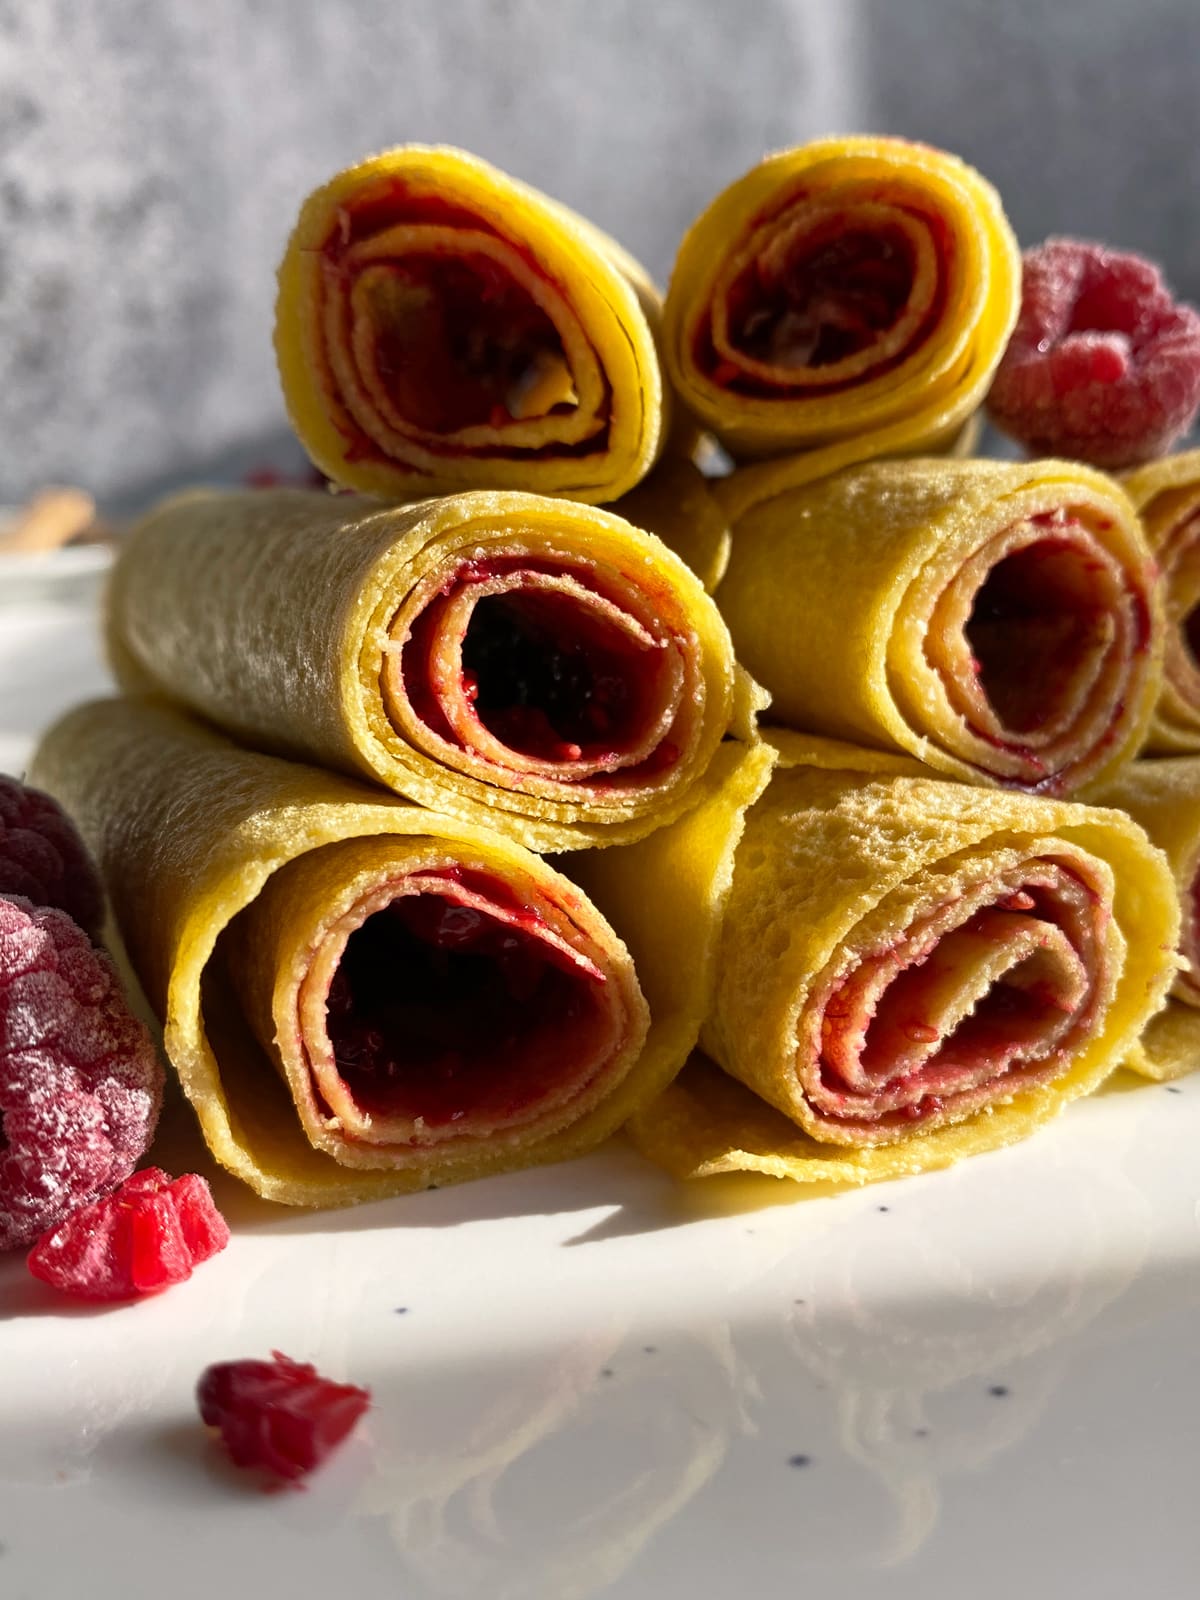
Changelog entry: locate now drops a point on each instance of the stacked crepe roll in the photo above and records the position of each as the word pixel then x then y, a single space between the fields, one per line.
pixel 912 971
pixel 353 727
pixel 1167 495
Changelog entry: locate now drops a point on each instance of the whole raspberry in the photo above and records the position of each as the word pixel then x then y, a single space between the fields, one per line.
pixel 142 1238
pixel 280 1415
pixel 1103 365
pixel 80 1082
pixel 43 858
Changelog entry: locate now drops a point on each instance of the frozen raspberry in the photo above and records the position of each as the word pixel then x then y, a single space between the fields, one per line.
pixel 145 1236
pixel 280 1415
pixel 43 858
pixel 1103 366
pixel 80 1083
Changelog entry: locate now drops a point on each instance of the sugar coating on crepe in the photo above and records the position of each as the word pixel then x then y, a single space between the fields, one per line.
pixel 999 621
pixel 912 972
pixel 441 326
pixel 528 663
pixel 241 884
pixel 843 300
pixel 1167 496
pixel 1103 365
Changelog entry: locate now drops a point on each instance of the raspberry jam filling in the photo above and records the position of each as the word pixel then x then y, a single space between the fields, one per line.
pixel 453 342
pixel 974 1002
pixel 834 295
pixel 829 293
pixel 1040 621
pixel 552 679
pixel 531 667
pixel 450 1004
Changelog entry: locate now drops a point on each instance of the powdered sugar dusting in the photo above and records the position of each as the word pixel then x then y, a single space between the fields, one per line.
pixel 80 1082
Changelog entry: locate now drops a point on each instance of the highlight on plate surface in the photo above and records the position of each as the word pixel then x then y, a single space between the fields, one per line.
pixel 872 936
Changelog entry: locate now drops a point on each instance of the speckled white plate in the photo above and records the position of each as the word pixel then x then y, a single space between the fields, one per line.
pixel 589 1381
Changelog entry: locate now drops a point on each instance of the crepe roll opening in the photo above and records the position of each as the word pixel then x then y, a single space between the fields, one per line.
pixel 1040 644
pixel 975 999
pixel 446 330
pixel 1179 555
pixel 440 325
pixel 570 674
pixel 825 293
pixel 431 1001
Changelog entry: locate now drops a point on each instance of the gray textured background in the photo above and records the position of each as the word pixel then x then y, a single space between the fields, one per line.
pixel 152 154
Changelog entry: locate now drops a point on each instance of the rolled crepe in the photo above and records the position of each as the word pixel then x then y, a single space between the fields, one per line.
pixel 677 505
pixel 1164 797
pixel 363 997
pixel 912 972
pixel 441 326
pixel 844 300
pixel 1167 494
pixel 527 663
pixel 999 621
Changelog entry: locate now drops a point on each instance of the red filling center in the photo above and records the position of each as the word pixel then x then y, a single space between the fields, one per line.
pixel 1012 1014
pixel 459 343
pixel 547 675
pixel 1035 620
pixel 438 1010
pixel 838 291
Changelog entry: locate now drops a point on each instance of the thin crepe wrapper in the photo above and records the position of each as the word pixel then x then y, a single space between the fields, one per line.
pixel 924 397
pixel 1167 496
pixel 677 505
pixel 1164 797
pixel 188 828
pixel 831 591
pixel 603 304
pixel 268 612
pixel 821 850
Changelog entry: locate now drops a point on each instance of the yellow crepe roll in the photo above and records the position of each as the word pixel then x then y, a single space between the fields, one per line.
pixel 442 326
pixel 677 505
pixel 1167 494
pixel 999 621
pixel 528 663
pixel 847 299
pixel 361 996
pixel 1164 796
pixel 911 972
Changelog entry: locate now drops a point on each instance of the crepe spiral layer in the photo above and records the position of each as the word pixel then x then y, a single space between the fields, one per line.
pixel 843 300
pixel 362 996
pixel 912 971
pixel 999 621
pixel 1163 795
pixel 441 326
pixel 521 662
pixel 1167 495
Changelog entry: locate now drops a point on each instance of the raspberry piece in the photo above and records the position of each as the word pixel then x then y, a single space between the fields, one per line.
pixel 43 858
pixel 280 1415
pixel 1103 366
pixel 144 1237
pixel 80 1082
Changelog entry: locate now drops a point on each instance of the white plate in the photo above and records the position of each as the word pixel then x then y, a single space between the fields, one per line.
pixel 589 1381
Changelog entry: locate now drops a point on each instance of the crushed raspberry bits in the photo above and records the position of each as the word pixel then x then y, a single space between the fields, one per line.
pixel 278 1415
pixel 43 858
pixel 141 1239
pixel 1103 365
pixel 80 1081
